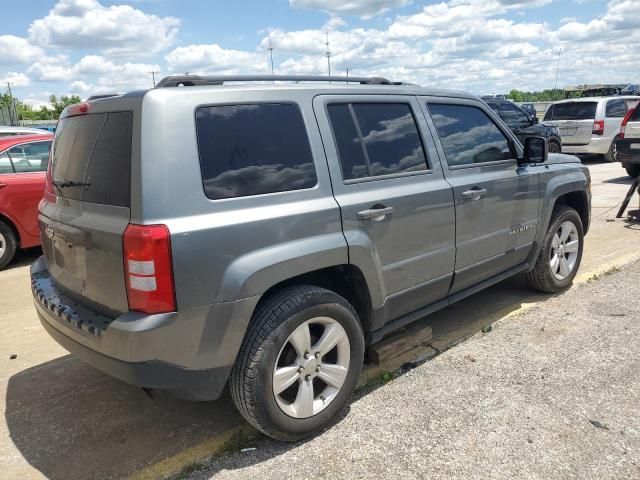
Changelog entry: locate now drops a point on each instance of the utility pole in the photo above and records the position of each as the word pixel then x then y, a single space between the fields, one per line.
pixel 328 54
pixel 270 54
pixel 153 76
pixel 12 107
pixel 555 85
pixel 347 74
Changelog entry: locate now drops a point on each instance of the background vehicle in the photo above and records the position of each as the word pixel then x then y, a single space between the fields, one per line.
pixel 530 110
pixel 23 162
pixel 590 126
pixel 265 233
pixel 628 144
pixel 523 125
pixel 6 131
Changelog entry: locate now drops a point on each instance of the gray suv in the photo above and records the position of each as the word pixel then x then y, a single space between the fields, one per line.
pixel 263 235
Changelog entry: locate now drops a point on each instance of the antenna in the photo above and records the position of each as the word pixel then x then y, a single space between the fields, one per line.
pixel 153 76
pixel 328 54
pixel 270 53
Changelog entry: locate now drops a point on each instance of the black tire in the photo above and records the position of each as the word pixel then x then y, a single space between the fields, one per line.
pixel 8 244
pixel 251 379
pixel 554 147
pixel 610 156
pixel 633 170
pixel 541 277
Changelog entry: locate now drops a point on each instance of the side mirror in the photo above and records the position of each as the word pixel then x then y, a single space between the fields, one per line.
pixel 536 150
pixel 534 120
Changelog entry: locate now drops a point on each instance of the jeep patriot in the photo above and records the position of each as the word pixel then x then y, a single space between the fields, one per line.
pixel 263 234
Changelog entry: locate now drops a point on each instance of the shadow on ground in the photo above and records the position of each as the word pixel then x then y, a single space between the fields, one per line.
pixel 24 258
pixel 72 422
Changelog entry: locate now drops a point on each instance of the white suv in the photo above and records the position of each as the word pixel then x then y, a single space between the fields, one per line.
pixel 590 126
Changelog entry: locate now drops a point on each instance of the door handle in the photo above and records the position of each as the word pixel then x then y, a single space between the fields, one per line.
pixel 375 213
pixel 2 185
pixel 474 194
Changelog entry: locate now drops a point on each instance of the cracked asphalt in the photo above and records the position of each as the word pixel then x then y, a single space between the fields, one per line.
pixel 551 392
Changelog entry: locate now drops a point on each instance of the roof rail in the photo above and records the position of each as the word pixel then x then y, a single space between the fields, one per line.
pixel 194 80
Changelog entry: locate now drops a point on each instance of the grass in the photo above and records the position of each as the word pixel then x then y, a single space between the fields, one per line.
pixel 610 271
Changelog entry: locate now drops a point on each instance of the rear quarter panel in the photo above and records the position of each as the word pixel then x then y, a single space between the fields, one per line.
pixel 19 200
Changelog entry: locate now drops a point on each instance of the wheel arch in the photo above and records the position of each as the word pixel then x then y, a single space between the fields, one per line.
pixel 347 280
pixel 579 201
pixel 14 228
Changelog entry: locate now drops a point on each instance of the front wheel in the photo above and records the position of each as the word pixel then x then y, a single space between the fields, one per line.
pixel 633 170
pixel 561 252
pixel 299 362
pixel 554 147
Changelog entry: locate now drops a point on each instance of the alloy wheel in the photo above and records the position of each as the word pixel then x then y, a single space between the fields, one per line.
pixel 564 250
pixel 311 367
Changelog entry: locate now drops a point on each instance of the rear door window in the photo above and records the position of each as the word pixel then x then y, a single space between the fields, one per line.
pixel 253 149
pixel 616 108
pixel 94 150
pixel 375 139
pixel 30 157
pixel 468 135
pixel 572 111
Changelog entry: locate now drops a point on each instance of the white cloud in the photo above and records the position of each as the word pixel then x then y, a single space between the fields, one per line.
pixel 116 30
pixel 16 79
pixel 361 8
pixel 16 50
pixel 215 59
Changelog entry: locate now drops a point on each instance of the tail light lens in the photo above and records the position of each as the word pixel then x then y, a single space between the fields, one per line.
pixel 598 127
pixel 625 120
pixel 148 268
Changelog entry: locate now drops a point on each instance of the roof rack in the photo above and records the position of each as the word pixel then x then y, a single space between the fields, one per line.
pixel 195 80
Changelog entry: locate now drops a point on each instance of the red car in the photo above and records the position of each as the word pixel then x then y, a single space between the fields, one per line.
pixel 23 165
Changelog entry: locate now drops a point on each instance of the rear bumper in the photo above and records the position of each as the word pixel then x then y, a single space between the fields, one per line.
pixel 627 155
pixel 190 353
pixel 597 146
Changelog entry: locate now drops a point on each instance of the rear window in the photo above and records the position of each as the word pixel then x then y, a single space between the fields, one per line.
pixel 572 111
pixel 635 115
pixel 253 149
pixel 94 150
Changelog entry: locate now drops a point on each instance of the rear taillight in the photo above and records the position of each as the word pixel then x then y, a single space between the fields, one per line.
pixel 598 127
pixel 625 120
pixel 148 270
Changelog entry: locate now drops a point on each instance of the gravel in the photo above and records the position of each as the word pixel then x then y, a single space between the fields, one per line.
pixel 552 392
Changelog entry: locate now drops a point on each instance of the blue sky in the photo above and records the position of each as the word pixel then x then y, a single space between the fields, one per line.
pixel 92 46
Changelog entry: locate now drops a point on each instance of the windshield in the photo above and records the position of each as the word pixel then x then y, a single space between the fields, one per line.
pixel 572 111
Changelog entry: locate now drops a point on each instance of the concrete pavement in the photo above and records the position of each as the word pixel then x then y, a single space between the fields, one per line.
pixel 61 419
pixel 552 393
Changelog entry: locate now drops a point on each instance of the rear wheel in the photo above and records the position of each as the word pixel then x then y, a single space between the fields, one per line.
pixel 610 156
pixel 8 244
pixel 633 170
pixel 299 363
pixel 561 252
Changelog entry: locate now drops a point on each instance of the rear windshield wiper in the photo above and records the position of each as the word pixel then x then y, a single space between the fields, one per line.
pixel 69 183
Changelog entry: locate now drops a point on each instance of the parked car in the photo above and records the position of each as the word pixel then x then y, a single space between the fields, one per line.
pixel 524 126
pixel 7 131
pixel 590 126
pixel 264 234
pixel 530 109
pixel 23 161
pixel 628 144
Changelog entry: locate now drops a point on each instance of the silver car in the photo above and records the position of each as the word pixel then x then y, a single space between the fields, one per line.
pixel 264 235
pixel 590 125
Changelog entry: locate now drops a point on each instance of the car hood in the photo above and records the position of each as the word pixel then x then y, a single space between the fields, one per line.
pixel 556 158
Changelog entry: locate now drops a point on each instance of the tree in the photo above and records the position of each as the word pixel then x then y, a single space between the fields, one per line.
pixel 549 95
pixel 64 101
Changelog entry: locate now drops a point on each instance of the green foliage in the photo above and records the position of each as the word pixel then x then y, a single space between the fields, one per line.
pixel 549 95
pixel 27 112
